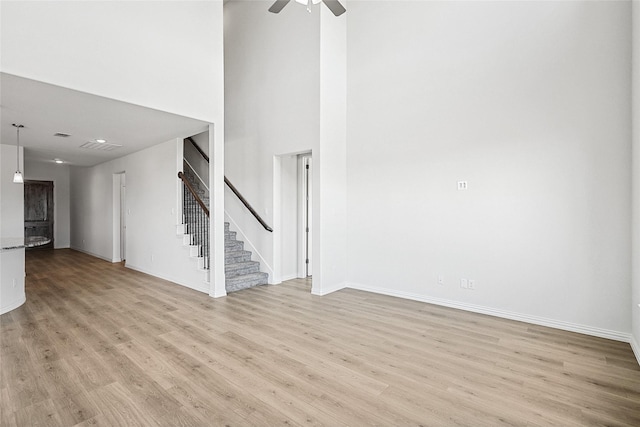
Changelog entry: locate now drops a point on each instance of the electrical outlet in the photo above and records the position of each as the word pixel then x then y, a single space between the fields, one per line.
pixel 472 284
pixel 464 283
pixel 462 185
pixel 440 279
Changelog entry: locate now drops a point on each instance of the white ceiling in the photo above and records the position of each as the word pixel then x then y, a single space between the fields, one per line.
pixel 46 109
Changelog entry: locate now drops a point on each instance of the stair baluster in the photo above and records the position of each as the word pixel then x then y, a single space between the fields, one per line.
pixel 196 219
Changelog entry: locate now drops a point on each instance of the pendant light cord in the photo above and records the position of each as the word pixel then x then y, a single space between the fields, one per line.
pixel 18 146
pixel 18 150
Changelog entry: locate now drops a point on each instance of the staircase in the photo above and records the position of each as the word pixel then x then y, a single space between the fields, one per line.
pixel 240 271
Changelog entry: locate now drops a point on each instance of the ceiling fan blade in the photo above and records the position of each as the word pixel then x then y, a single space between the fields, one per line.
pixel 278 6
pixel 334 6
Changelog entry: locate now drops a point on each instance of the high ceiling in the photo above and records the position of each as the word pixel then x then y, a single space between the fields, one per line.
pixel 45 110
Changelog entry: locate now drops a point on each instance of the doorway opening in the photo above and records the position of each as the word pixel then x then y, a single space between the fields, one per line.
pixel 292 216
pixel 38 214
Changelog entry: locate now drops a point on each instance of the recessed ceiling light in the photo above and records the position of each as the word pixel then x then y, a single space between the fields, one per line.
pixel 101 141
pixel 58 161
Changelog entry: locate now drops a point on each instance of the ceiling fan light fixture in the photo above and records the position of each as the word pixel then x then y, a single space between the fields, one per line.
pixel 334 5
pixel 306 3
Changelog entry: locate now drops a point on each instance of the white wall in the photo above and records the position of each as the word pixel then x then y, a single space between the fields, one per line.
pixel 59 174
pixel 195 159
pixel 289 217
pixel 635 253
pixel 165 55
pixel 11 195
pixel 528 102
pixel 12 272
pixel 152 245
pixel 202 139
pixel 91 208
pixel 272 77
pixel 330 161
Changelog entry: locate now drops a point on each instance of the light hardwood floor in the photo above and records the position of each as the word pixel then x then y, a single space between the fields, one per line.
pixel 99 344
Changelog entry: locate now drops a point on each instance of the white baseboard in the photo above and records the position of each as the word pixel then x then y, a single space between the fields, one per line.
pixel 289 277
pixel 264 265
pixel 557 324
pixel 13 304
pixel 326 290
pixel 202 288
pixel 92 254
pixel 635 347
pixel 219 295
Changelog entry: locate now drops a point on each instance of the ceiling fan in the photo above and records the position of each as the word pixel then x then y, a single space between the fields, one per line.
pixel 333 5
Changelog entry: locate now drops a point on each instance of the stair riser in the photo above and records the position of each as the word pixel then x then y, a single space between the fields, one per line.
pixel 256 278
pixel 233 272
pixel 188 241
pixel 194 251
pixel 193 228
pixel 233 258
pixel 233 286
pixel 233 245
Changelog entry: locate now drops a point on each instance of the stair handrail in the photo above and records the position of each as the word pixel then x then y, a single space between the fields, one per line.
pixel 234 190
pixel 193 192
pixel 197 147
pixel 247 205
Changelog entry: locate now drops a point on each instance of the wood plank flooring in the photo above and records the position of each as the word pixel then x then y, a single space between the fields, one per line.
pixel 97 344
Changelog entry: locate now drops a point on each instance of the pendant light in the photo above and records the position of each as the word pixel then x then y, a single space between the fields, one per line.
pixel 17 177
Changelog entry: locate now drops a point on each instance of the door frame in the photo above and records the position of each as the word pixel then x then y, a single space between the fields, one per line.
pixel 119 217
pixel 305 218
pixel 51 201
